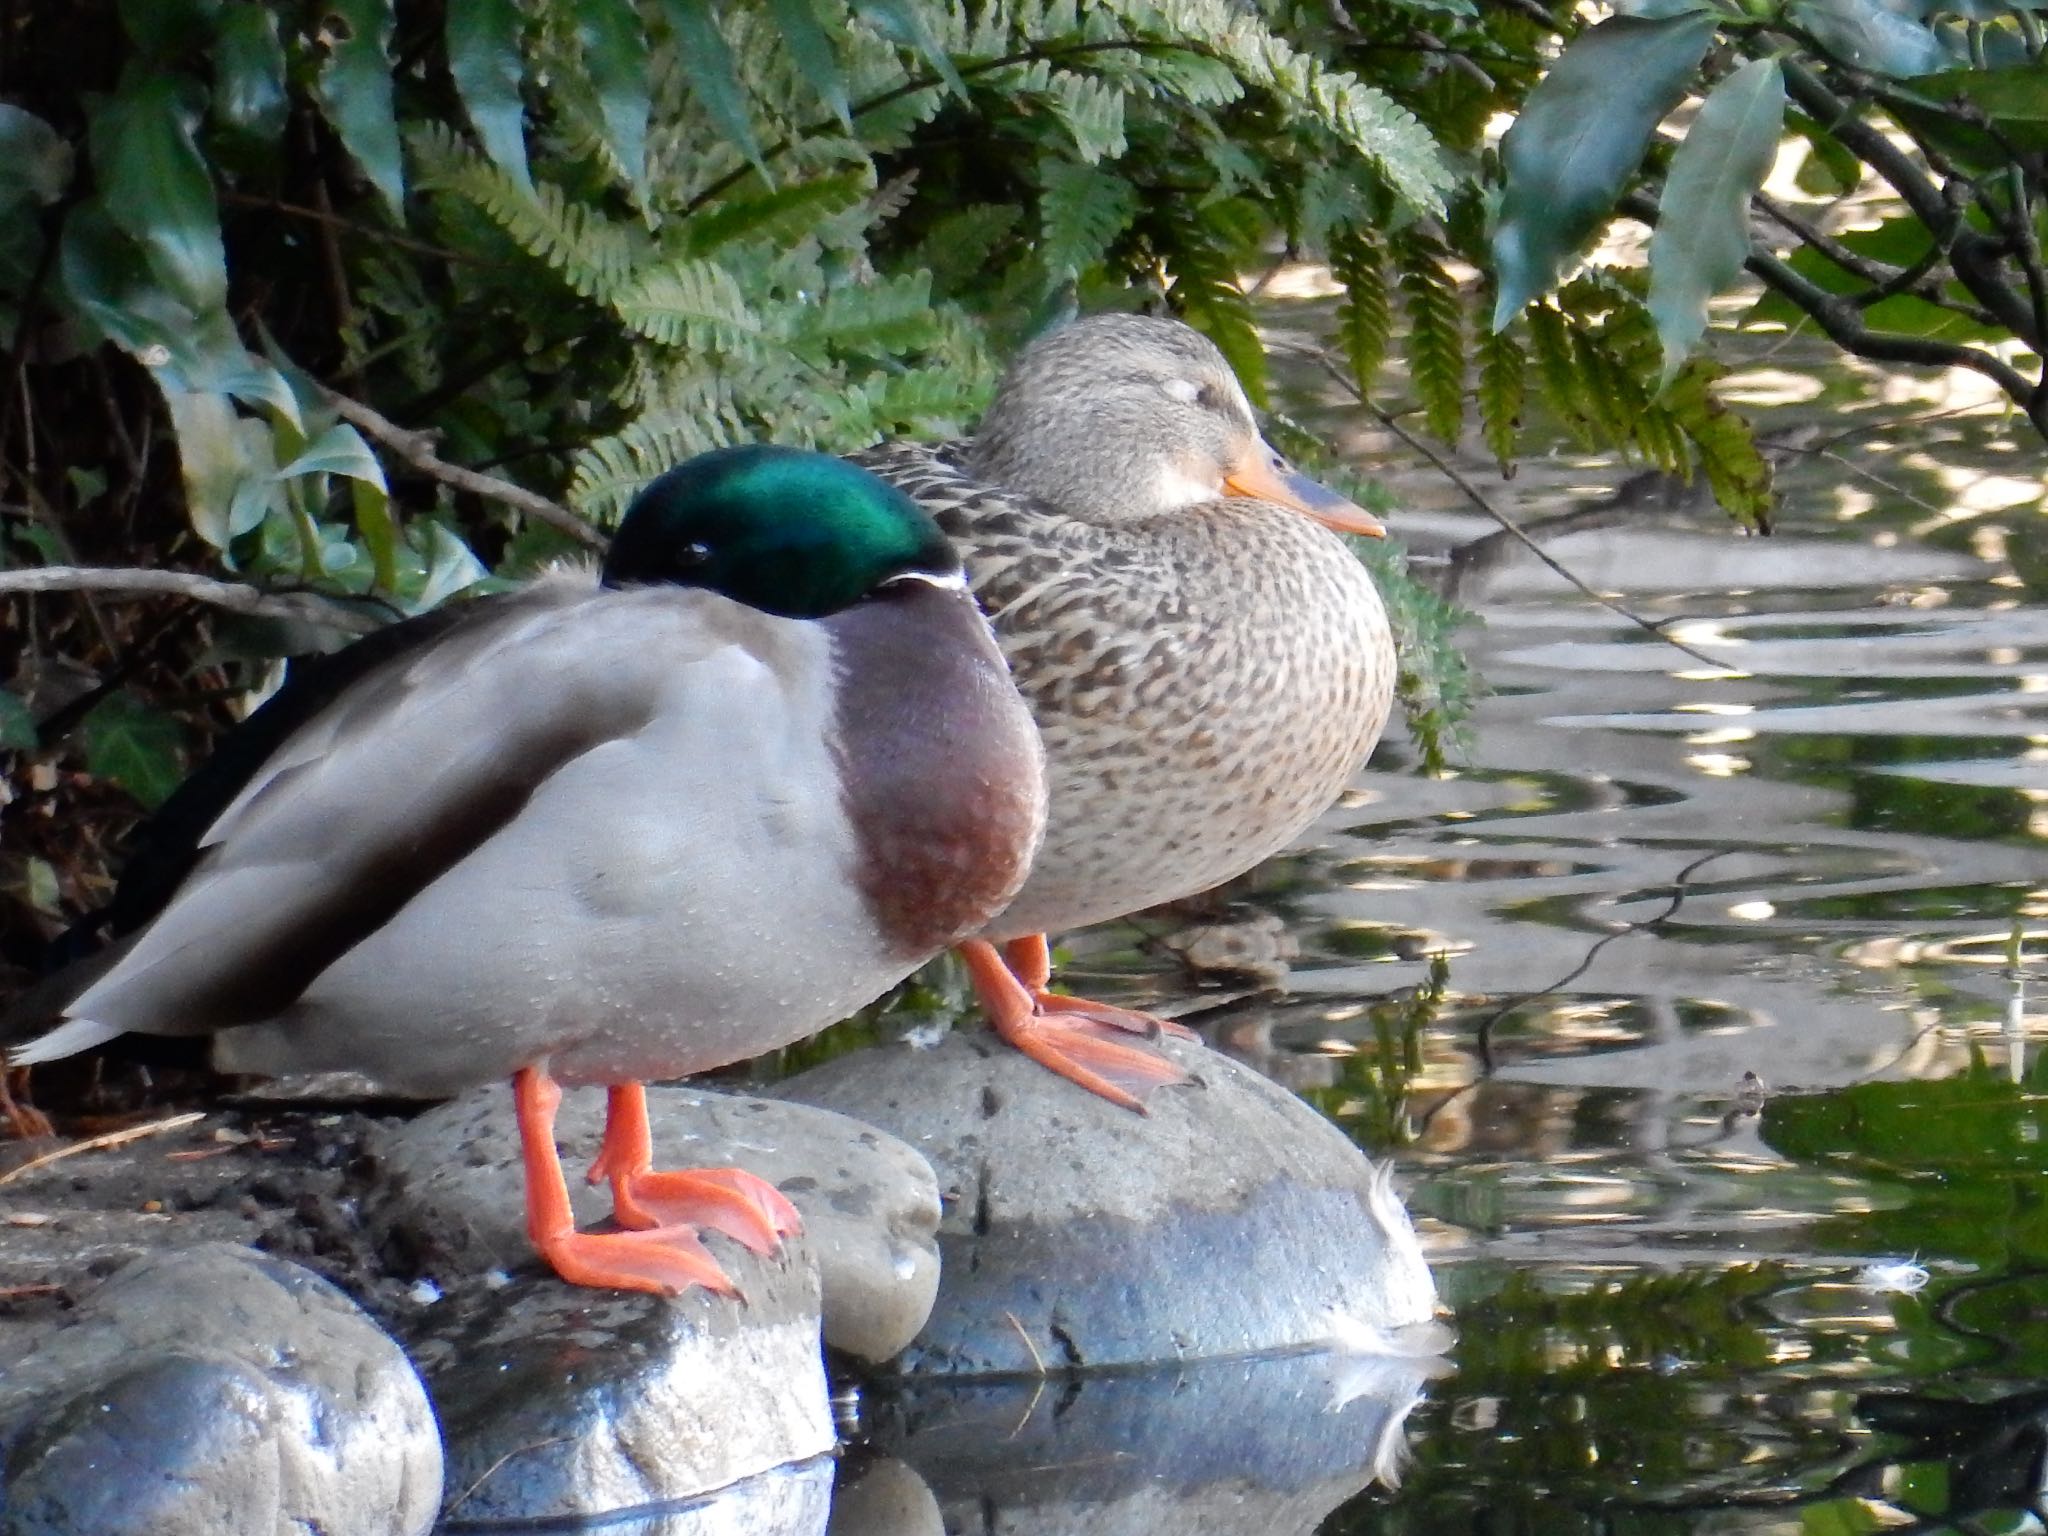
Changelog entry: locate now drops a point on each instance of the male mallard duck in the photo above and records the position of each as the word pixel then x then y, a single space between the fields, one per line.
pixel 605 830
pixel 1207 666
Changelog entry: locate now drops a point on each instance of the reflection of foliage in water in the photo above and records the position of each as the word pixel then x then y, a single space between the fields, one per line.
pixel 1369 1098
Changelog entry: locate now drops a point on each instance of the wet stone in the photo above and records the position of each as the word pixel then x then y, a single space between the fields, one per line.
pixel 451 1190
pixel 560 1401
pixel 208 1389
pixel 1231 1219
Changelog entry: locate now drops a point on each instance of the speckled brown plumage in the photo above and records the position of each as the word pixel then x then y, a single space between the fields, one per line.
pixel 1206 681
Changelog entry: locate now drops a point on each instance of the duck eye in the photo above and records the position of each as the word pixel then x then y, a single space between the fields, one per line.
pixel 693 554
pixel 1186 391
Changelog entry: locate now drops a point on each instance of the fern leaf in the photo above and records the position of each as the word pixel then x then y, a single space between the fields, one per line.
pixel 1093 112
pixel 1563 390
pixel 1503 379
pixel 1737 473
pixel 1436 333
pixel 686 303
pixel 1365 315
pixel 1081 211
pixel 885 318
pixel 1206 292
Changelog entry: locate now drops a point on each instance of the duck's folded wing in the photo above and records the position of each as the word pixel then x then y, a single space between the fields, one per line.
pixel 408 771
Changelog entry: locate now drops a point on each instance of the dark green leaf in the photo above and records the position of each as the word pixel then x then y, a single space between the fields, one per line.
pixel 156 188
pixel 485 48
pixel 1581 132
pixel 2015 100
pixel 248 72
pixel 902 21
pixel 812 50
pixel 708 65
pixel 615 52
pixel 1831 168
pixel 355 90
pixel 1702 236
pixel 35 164
pixel 137 747
pixel 17 725
pixel 1870 35
pixel 168 27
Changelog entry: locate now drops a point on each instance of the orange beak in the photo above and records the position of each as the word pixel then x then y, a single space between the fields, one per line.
pixel 1269 479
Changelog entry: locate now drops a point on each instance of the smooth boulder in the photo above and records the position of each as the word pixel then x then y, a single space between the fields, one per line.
pixel 214 1388
pixel 1231 1219
pixel 566 1402
pixel 448 1187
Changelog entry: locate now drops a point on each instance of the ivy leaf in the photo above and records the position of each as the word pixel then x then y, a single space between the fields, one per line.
pixel 248 72
pixel 35 164
pixel 615 52
pixel 215 457
pixel 355 89
pixel 707 61
pixel 137 747
pixel 1581 132
pixel 451 568
pixel 1702 236
pixel 812 50
pixel 17 725
pixel 1870 35
pixel 157 189
pixel 484 55
pixel 340 450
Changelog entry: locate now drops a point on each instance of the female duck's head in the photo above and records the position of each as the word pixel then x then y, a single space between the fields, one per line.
pixel 783 530
pixel 1113 418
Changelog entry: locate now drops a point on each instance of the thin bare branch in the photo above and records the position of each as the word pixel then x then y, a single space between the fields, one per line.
pixel 235 596
pixel 417 449
pixel 1479 499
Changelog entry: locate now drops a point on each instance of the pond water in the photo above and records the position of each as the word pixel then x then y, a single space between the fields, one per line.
pixel 1685 1010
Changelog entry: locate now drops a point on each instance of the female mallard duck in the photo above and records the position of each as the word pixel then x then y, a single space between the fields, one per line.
pixel 1207 666
pixel 602 831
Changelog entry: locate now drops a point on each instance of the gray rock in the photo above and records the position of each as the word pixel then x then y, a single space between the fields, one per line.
pixel 559 1401
pixel 452 1188
pixel 1252 1447
pixel 210 1389
pixel 1231 1219
pixel 789 1501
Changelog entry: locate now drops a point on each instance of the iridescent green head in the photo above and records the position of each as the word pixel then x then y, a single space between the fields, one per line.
pixel 789 532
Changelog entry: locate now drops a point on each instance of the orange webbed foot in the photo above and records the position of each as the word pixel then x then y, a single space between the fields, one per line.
pixel 747 1209
pixel 1084 1041
pixel 664 1260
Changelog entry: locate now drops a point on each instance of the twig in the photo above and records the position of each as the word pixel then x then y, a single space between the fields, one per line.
pixel 234 596
pixel 1037 1360
pixel 1479 499
pixel 417 449
pixel 102 1143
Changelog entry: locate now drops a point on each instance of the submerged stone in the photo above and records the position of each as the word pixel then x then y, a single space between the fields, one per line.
pixel 450 1188
pixel 208 1389
pixel 1231 1219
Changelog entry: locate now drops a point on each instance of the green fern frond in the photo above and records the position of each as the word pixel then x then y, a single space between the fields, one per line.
pixel 1739 475
pixel 1563 390
pixel 1081 210
pixel 1093 112
pixel 1205 290
pixel 1365 314
pixel 1436 332
pixel 1503 381
pixel 687 303
pixel 885 318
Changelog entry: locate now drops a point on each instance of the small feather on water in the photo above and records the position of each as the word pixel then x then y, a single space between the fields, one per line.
pixel 1901 1276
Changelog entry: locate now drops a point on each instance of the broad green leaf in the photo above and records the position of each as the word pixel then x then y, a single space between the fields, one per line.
pixel 355 90
pixel 1702 236
pixel 214 456
pixel 157 189
pixel 451 568
pixel 903 22
pixel 340 450
pixel 814 53
pixel 485 44
pixel 164 27
pixel 1582 131
pixel 714 79
pixel 615 52
pixel 248 71
pixel 137 747
pixel 17 725
pixel 1870 35
pixel 261 385
pixel 35 164
pixel 1659 10
pixel 2014 101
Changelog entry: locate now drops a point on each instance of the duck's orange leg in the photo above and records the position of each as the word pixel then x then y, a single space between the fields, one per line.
pixel 665 1260
pixel 28 1122
pixel 745 1208
pixel 1078 1042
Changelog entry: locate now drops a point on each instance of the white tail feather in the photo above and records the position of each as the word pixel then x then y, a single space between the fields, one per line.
pixel 67 1039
